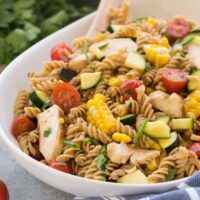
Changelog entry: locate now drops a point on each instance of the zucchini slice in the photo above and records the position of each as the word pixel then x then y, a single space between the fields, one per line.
pixel 38 98
pixel 97 52
pixel 67 74
pixel 128 119
pixel 113 28
pixel 135 61
pixel 194 80
pixel 157 129
pixel 171 143
pixel 165 119
pixel 182 124
pixel 89 80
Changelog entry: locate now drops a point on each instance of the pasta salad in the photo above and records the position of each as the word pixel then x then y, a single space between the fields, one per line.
pixel 123 106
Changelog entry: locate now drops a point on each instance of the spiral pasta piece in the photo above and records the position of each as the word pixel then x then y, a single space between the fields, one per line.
pixel 78 43
pixel 31 112
pixel 20 103
pixel 125 169
pixel 148 78
pixel 92 131
pixel 187 64
pixel 77 112
pixel 145 105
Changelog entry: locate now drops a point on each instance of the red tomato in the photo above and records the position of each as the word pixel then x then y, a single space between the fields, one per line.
pixel 66 96
pixel 174 80
pixel 38 156
pixel 178 29
pixel 128 89
pixel 21 125
pixel 195 147
pixel 61 167
pixel 61 52
pixel 3 191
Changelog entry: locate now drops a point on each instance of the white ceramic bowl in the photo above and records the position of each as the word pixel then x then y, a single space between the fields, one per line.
pixel 14 78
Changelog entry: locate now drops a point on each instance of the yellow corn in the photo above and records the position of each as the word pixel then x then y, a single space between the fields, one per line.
pixel 149 90
pixel 120 137
pixel 99 114
pixel 61 120
pixel 157 147
pixel 152 166
pixel 158 55
pixel 114 81
pixel 152 21
pixel 192 104
pixel 100 37
pixel 165 42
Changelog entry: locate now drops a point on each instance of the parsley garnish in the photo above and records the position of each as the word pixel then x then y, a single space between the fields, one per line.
pixel 104 46
pixel 71 144
pixel 46 104
pixel 85 51
pixel 47 132
pixel 101 159
pixel 140 132
pixel 171 174
pixel 89 140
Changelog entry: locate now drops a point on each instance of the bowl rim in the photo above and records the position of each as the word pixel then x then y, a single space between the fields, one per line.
pixel 19 153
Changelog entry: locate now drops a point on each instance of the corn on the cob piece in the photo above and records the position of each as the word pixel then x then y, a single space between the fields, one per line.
pixel 99 114
pixel 192 104
pixel 158 55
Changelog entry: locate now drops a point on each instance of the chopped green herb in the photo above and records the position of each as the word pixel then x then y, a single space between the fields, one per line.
pixel 171 174
pixel 85 51
pixel 101 162
pixel 127 91
pixel 104 46
pixel 47 132
pixel 89 140
pixel 46 105
pixel 103 150
pixel 71 144
pixel 140 132
pixel 135 19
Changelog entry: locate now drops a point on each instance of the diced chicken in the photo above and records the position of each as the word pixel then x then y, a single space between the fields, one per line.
pixel 194 54
pixel 51 133
pixel 116 45
pixel 172 104
pixel 119 153
pixel 80 61
pixel 143 157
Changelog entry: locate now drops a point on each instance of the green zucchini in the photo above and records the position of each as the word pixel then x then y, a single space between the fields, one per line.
pixel 38 98
pixel 128 119
pixel 135 61
pixel 97 52
pixel 194 83
pixel 165 119
pixel 171 143
pixel 157 129
pixel 67 74
pixel 182 124
pixel 89 80
pixel 112 28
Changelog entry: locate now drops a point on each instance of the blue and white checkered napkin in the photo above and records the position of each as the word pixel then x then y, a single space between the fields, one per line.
pixel 190 190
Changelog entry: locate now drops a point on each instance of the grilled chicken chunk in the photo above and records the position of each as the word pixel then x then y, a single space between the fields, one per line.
pixel 51 133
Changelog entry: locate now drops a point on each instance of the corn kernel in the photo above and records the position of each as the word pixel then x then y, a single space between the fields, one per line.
pixel 99 97
pixel 152 165
pixel 120 137
pixel 114 82
pixel 157 147
pixel 152 21
pixel 61 121
pixel 165 42
pixel 149 90
pixel 100 37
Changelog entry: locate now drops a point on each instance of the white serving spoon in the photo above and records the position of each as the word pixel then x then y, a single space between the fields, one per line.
pixel 101 20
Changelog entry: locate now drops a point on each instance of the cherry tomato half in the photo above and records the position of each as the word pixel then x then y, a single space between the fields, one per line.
pixel 61 52
pixel 178 29
pixel 3 191
pixel 61 167
pixel 174 80
pixel 195 147
pixel 38 156
pixel 128 89
pixel 66 96
pixel 21 125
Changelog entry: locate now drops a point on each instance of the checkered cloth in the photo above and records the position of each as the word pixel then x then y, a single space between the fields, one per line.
pixel 190 190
